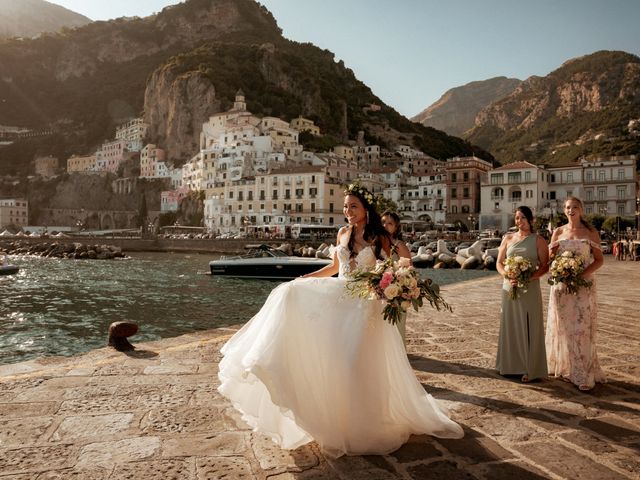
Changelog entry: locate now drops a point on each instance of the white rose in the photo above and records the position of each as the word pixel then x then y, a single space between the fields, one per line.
pixel 391 291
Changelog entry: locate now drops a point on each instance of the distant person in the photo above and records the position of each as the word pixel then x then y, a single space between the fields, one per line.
pixel 391 223
pixel 521 349
pixel 571 323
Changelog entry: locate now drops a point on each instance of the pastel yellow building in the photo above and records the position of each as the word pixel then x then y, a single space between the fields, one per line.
pixel 85 163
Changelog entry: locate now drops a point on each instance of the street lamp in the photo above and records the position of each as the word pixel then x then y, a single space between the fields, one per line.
pixel 638 218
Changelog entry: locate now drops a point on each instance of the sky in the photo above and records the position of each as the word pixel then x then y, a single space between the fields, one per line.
pixel 410 52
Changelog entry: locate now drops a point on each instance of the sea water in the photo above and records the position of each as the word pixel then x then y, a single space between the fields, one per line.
pixel 64 307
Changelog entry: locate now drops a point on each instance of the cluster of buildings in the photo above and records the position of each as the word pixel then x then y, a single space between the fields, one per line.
pixel 253 172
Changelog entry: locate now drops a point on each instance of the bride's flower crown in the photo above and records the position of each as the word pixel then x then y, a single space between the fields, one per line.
pixel 361 192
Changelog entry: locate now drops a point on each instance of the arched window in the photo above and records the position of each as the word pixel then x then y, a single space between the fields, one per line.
pixel 497 194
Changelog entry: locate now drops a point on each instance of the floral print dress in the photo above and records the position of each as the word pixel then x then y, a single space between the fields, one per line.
pixel 571 326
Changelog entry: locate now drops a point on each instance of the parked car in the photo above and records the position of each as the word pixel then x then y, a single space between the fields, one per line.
pixel 606 248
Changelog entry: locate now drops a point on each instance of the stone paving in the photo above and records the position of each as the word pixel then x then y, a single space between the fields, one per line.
pixel 155 413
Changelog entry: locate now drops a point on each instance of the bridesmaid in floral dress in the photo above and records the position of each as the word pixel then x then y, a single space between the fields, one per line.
pixel 571 324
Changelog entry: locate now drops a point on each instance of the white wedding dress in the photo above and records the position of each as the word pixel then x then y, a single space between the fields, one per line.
pixel 315 364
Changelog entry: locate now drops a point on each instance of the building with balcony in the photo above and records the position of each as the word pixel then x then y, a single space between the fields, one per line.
pixel 305 125
pixel 507 187
pixel 152 162
pixel 464 179
pixel 132 133
pixel 610 185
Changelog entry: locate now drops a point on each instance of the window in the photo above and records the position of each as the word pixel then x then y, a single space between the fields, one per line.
pixel 313 207
pixel 601 176
pixel 331 208
pixel 621 209
pixel 621 174
pixel 589 193
pixel 240 196
pixel 298 208
pixel 497 194
pixel 465 176
pixel 250 195
pixel 454 177
pixel 454 193
pixel 465 192
pixel 299 192
pixel 527 177
pixel 497 178
pixel 569 177
pixel 454 209
pixel 287 194
pixel 275 195
pixel 622 192
pixel 516 196
pixel 589 176
pixel 602 193
pixel 514 177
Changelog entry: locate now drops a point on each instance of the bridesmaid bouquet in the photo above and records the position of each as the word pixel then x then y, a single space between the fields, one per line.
pixel 566 268
pixel 399 284
pixel 519 268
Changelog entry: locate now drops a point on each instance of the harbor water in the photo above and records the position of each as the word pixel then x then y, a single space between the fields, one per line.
pixel 64 307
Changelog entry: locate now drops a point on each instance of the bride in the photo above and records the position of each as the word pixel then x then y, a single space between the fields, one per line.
pixel 315 364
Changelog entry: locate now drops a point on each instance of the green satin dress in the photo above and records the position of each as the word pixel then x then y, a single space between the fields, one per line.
pixel 521 349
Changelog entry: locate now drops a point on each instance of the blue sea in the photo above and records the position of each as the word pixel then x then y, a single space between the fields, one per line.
pixel 64 307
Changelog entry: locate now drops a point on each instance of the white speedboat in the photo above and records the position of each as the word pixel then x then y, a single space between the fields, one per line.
pixel 265 262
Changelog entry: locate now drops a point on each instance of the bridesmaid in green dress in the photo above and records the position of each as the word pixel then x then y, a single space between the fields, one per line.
pixel 521 349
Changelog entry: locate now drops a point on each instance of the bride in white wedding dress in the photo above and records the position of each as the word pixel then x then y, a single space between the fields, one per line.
pixel 315 364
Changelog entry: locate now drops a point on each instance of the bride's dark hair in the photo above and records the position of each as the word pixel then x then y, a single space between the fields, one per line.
pixel 373 229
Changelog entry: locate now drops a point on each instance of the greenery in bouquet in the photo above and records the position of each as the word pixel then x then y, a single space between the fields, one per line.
pixel 399 284
pixel 566 268
pixel 521 269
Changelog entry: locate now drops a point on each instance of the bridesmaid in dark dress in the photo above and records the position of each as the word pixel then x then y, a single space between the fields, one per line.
pixel 521 345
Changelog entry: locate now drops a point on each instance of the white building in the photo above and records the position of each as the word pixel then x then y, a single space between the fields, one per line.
pixel 14 211
pixel 508 187
pixel 610 185
pixel 133 133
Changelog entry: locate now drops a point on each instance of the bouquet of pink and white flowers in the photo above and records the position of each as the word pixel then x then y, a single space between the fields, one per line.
pixel 566 269
pixel 399 285
pixel 521 269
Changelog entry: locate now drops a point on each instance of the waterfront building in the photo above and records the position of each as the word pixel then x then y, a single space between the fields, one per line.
pixel 279 198
pixel 464 178
pixel 507 187
pixel 46 166
pixel 305 125
pixel 610 185
pixel 81 164
pixel 14 212
pixel 563 181
pixel 170 199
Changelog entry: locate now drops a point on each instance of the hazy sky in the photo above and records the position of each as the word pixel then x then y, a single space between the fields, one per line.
pixel 409 52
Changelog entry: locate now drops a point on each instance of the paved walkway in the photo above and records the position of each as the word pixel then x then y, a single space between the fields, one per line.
pixel 156 414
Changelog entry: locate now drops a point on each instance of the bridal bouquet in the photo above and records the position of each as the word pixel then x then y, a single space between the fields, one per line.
pixel 521 269
pixel 566 268
pixel 399 285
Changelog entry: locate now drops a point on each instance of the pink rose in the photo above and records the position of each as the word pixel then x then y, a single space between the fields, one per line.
pixel 385 281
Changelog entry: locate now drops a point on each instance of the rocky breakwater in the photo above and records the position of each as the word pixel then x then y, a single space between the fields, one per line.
pixel 58 249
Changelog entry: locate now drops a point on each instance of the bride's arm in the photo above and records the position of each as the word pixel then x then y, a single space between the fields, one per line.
pixel 331 269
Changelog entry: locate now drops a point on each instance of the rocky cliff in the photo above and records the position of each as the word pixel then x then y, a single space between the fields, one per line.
pixel 455 112
pixel 584 107
pixel 30 18
pixel 178 67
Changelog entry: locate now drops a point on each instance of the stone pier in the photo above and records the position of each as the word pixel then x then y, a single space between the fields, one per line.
pixel 154 413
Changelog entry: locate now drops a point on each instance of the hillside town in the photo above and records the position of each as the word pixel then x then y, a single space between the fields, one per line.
pixel 254 175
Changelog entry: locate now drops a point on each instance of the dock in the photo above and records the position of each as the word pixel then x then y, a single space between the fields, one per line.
pixel 155 413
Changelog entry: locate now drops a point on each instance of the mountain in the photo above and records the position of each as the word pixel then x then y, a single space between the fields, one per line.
pixel 582 108
pixel 30 18
pixel 178 67
pixel 455 112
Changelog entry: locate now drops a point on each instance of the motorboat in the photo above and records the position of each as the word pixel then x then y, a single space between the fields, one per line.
pixel 7 269
pixel 265 262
